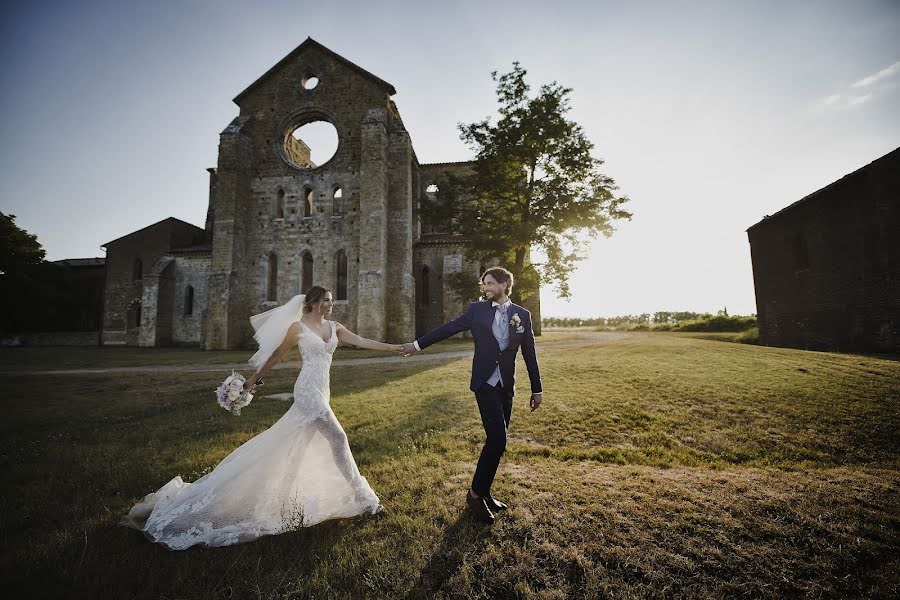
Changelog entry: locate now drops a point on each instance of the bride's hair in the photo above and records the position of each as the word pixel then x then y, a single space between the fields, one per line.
pixel 314 295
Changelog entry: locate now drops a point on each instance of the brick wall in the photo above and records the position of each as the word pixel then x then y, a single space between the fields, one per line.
pixel 827 268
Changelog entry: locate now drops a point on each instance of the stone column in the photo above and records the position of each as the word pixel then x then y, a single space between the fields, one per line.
pixel 156 304
pixel 401 286
pixel 232 183
pixel 371 321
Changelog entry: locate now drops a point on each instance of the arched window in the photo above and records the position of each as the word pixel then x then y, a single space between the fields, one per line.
pixel 137 316
pixel 308 203
pixel 272 291
pixel 138 269
pixel 279 204
pixel 340 261
pixel 336 203
pixel 189 301
pixel 425 297
pixel 306 275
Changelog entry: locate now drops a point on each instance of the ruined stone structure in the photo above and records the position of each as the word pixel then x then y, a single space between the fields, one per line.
pixel 827 268
pixel 278 223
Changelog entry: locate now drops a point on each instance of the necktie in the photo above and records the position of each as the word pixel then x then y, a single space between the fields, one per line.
pixel 501 327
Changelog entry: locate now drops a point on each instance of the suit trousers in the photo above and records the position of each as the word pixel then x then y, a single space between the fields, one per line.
pixel 495 406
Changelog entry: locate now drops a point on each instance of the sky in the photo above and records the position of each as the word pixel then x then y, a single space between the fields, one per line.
pixel 708 115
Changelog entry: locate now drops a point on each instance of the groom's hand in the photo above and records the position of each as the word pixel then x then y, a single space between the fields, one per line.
pixel 536 401
pixel 408 349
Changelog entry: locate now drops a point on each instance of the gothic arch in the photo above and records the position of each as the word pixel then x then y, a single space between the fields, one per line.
pixel 340 262
pixel 306 271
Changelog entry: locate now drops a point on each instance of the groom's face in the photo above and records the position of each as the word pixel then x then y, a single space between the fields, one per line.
pixel 493 289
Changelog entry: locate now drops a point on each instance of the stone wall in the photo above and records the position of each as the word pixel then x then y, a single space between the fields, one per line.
pixel 827 268
pixel 190 270
pixel 124 286
pixel 258 227
pixel 321 235
pixel 254 164
pixel 156 305
pixel 441 256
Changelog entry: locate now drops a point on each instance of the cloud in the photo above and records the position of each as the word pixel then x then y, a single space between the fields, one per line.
pixel 882 74
pixel 861 91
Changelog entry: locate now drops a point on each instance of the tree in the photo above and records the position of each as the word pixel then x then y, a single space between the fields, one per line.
pixel 535 185
pixel 18 248
pixel 30 288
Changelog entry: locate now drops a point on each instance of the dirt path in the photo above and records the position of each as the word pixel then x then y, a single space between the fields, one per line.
pixel 583 338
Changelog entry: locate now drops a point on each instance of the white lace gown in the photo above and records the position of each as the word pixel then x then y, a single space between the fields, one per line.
pixel 298 472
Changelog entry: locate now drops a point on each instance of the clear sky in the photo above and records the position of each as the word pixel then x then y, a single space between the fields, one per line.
pixel 709 115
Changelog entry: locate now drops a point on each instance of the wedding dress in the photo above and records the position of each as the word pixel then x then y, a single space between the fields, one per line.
pixel 298 472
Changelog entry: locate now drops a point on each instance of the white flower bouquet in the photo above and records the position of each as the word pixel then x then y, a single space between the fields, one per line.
pixel 231 394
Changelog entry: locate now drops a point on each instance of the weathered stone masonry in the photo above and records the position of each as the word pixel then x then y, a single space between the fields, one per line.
pixel 277 222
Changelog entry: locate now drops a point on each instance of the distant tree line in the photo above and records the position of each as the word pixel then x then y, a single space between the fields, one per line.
pixel 659 321
pixel 37 295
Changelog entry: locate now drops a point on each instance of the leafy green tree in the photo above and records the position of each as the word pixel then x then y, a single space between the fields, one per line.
pixel 535 186
pixel 18 248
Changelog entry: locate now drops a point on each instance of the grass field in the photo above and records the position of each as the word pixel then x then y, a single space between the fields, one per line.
pixel 95 357
pixel 659 465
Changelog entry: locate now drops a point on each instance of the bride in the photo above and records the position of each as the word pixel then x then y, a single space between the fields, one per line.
pixel 298 472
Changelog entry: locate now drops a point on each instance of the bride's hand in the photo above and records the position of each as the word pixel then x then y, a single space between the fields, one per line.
pixel 249 386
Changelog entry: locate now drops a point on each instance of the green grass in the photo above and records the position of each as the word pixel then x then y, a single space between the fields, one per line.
pixel 99 357
pixel 659 465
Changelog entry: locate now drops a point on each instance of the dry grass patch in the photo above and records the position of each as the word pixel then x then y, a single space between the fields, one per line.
pixel 659 465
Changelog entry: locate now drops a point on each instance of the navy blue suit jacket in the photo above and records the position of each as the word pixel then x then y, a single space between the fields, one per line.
pixel 479 319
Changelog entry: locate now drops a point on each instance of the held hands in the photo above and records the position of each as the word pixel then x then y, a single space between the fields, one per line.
pixel 536 401
pixel 407 349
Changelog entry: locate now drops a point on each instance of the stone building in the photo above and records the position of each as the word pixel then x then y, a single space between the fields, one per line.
pixel 278 223
pixel 827 268
pixel 139 267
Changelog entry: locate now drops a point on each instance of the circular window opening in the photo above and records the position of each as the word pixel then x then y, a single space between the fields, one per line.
pixel 311 145
pixel 310 82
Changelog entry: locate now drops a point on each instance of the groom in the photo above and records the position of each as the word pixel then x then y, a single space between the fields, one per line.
pixel 498 327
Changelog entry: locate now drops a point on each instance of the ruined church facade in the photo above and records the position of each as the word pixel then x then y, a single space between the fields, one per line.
pixel 278 223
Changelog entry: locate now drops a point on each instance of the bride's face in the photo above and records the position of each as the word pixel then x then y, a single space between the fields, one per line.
pixel 326 306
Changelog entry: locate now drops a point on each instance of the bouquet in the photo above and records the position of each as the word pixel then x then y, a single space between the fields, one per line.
pixel 231 394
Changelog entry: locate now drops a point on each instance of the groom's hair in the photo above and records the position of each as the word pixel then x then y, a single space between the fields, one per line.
pixel 500 275
pixel 314 295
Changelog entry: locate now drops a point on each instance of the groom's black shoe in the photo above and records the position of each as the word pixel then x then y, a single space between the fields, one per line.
pixel 494 504
pixel 479 509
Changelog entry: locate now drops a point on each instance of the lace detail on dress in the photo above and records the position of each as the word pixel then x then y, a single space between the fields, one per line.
pixel 312 390
pixel 297 473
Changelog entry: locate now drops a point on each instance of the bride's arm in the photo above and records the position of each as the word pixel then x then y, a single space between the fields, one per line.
pixel 348 337
pixel 290 340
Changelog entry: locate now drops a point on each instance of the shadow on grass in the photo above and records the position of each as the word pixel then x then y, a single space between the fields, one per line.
pixel 462 539
pixel 114 562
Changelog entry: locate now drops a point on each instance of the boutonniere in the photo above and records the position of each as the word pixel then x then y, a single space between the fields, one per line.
pixel 517 323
